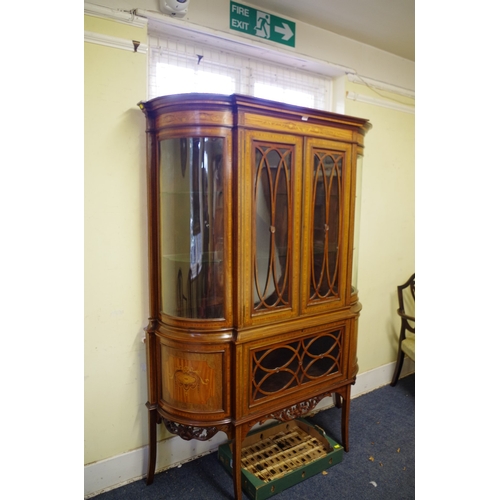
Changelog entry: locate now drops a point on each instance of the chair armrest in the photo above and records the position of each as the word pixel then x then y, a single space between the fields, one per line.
pixel 406 316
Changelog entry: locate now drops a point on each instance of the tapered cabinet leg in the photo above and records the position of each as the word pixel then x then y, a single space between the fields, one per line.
pixel 346 407
pixel 237 447
pixel 153 423
pixel 338 401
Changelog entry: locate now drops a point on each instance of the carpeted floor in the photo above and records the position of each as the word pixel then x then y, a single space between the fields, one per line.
pixel 380 464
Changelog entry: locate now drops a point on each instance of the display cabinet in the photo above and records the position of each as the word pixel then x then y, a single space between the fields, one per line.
pixel 253 315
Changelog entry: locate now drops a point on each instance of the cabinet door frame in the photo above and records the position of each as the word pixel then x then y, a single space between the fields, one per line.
pixel 246 241
pixel 191 367
pixel 227 319
pixel 302 391
pixel 342 299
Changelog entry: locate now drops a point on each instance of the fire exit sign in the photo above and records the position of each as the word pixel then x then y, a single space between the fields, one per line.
pixel 261 24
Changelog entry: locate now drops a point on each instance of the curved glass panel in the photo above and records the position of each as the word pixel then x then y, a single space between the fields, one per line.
pixel 272 202
pixel 192 227
pixel 357 214
pixel 327 196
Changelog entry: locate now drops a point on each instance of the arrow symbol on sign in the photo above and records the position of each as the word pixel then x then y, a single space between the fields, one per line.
pixel 285 31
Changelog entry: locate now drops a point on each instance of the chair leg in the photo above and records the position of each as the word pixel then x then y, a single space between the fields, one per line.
pixel 399 365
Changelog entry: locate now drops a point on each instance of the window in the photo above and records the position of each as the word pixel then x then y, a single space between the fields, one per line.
pixel 178 66
pixel 281 91
pixel 178 73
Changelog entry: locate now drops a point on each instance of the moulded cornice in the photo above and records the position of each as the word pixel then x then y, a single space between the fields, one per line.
pixel 369 82
pixel 354 96
pixel 115 42
pixel 118 15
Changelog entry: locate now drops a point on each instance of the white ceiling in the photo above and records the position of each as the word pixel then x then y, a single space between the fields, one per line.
pixel 386 24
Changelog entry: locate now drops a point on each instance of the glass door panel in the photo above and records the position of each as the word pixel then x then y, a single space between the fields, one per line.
pixel 325 250
pixel 273 219
pixel 327 205
pixel 192 227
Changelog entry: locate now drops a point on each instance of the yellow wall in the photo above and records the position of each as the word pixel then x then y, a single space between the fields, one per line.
pixel 311 41
pixel 116 296
pixel 387 222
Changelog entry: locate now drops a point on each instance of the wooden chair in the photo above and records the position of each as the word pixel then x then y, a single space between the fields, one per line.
pixel 407 332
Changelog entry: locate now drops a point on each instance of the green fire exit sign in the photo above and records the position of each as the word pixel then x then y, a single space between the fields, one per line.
pixel 261 24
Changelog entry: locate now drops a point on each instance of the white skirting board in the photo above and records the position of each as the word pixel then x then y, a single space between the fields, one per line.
pixel 173 452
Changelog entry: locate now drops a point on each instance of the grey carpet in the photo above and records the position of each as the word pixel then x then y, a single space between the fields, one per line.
pixel 379 466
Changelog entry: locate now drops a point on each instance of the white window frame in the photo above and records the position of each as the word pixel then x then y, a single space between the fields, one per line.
pixel 246 70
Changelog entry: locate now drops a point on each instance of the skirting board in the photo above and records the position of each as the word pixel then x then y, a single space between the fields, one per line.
pixel 173 452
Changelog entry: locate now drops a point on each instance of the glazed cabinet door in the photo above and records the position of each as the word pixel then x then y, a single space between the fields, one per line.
pixel 194 279
pixel 326 248
pixel 194 242
pixel 270 185
pixel 295 366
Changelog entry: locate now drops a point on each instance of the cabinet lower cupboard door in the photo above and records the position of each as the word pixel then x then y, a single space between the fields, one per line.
pixel 252 311
pixel 281 368
pixel 192 380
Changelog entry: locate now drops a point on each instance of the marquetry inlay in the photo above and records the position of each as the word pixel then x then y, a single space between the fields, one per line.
pixel 253 315
pixel 191 380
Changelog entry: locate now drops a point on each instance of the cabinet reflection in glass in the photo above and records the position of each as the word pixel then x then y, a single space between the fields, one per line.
pixel 192 227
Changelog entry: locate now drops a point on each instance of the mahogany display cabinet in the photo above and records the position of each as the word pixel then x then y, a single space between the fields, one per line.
pixel 253 314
